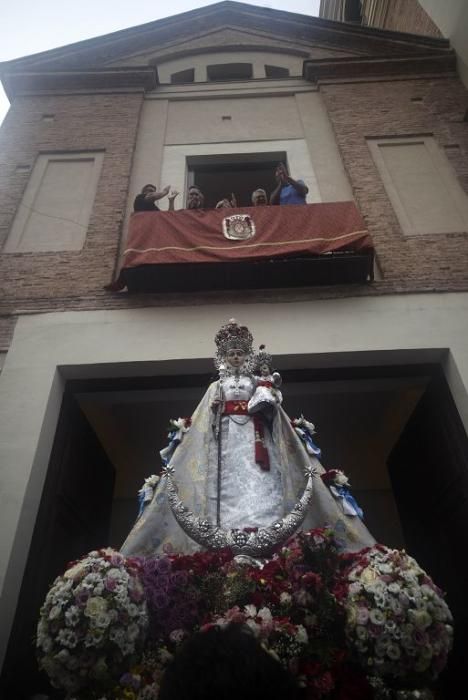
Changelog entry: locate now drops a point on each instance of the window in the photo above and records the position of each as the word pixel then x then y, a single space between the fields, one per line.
pixel 276 72
pixel 56 207
pixel 229 71
pixel 183 76
pixel 220 175
pixel 421 185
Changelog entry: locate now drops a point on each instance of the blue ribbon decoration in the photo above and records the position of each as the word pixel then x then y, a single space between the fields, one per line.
pixel 145 496
pixel 343 492
pixel 306 437
pixel 141 503
pixel 167 452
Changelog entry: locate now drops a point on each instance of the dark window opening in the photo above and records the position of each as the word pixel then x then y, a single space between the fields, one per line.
pixel 241 174
pixel 229 71
pixel 183 76
pixel 352 11
pixel 276 72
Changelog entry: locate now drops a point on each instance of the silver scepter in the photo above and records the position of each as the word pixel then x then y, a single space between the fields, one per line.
pixel 217 431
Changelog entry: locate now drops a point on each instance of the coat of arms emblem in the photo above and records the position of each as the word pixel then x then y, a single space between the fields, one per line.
pixel 238 227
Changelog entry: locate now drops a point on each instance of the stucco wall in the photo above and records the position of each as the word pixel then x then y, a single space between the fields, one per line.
pixel 295 122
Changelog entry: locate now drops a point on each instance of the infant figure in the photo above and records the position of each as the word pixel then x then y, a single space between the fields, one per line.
pixel 267 396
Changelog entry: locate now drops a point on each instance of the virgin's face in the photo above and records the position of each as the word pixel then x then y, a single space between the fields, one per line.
pixel 235 357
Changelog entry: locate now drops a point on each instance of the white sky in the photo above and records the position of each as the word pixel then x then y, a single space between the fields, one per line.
pixel 30 26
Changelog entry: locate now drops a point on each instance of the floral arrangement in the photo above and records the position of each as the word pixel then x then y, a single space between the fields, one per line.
pixel 335 477
pixel 339 485
pixel 321 613
pixel 94 619
pixel 397 620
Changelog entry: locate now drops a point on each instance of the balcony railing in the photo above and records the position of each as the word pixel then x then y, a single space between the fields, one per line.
pixel 246 248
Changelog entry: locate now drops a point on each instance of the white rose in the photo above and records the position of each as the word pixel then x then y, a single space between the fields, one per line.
pixel 301 635
pixel 265 615
pixel 95 606
pixel 55 612
pixel 377 617
pixel 253 626
pixel 250 610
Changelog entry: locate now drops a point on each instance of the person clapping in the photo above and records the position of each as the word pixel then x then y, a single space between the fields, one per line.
pixel 227 203
pixel 288 190
pixel 146 200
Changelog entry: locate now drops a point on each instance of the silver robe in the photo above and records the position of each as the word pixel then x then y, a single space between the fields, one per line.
pixel 249 497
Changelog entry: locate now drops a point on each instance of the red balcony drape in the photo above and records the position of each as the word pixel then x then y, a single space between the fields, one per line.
pixel 196 236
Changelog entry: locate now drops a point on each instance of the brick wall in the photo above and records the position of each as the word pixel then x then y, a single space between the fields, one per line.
pixel 82 122
pixel 36 283
pixel 409 16
pixel 362 110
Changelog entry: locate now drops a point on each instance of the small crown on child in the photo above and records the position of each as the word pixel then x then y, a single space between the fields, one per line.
pixel 262 357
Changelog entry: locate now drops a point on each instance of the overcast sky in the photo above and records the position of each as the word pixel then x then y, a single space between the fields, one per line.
pixel 28 27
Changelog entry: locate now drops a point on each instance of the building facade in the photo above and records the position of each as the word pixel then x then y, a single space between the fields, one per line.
pixel 90 376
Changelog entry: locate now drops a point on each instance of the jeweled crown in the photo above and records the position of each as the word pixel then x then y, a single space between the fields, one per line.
pixel 231 335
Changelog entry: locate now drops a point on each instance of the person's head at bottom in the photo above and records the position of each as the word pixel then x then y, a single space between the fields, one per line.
pixel 226 664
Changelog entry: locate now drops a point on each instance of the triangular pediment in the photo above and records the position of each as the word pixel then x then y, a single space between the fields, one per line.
pixel 239 24
pixel 228 39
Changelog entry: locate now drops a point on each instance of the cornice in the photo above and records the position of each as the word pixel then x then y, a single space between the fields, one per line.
pixel 39 82
pixel 316 70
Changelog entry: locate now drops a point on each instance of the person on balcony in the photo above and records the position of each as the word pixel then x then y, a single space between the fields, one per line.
pixel 288 190
pixel 146 200
pixel 259 198
pixel 195 198
pixel 227 203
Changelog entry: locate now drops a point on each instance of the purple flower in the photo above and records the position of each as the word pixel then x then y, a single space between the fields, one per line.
pixel 110 584
pixel 179 578
pixel 420 637
pixel 162 582
pixel 164 565
pixel 160 600
pixel 128 680
pixel 82 598
pixel 116 559
pixel 150 565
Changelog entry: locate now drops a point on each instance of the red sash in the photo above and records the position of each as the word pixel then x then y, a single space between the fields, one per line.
pixel 239 408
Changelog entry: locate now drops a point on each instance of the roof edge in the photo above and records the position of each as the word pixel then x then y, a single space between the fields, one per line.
pixel 435 43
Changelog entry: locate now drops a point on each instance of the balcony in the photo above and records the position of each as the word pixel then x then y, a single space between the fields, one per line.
pixel 246 248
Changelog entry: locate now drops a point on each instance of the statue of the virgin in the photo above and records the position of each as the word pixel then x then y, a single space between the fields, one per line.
pixel 241 466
